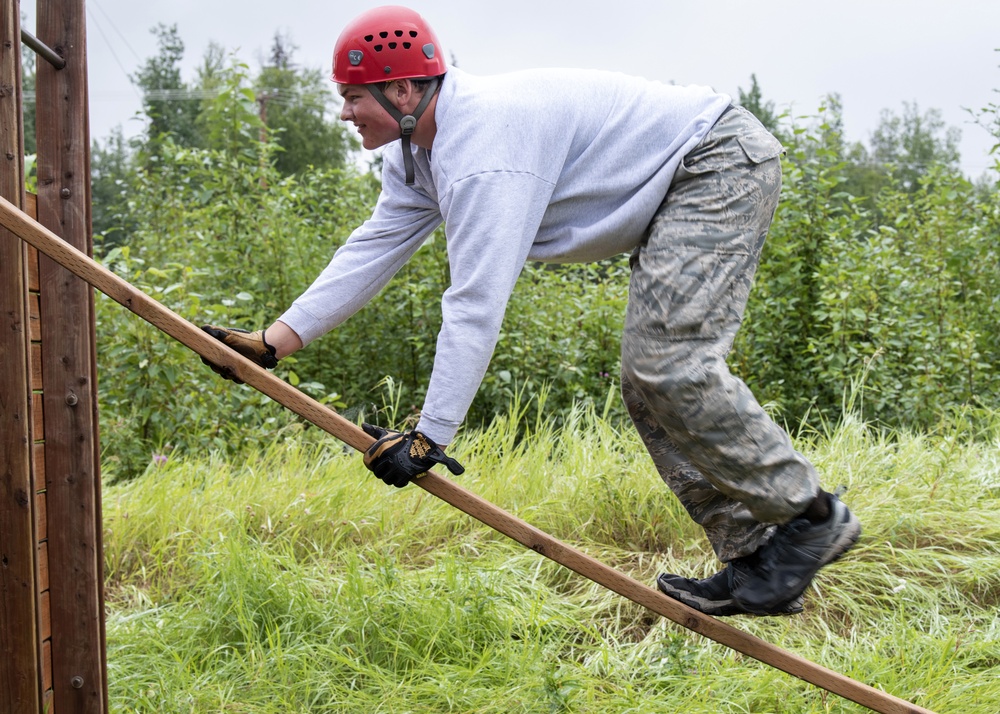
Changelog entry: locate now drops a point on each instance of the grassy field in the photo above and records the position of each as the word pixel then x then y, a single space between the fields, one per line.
pixel 295 582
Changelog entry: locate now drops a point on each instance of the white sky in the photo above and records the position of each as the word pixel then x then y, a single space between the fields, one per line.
pixel 876 54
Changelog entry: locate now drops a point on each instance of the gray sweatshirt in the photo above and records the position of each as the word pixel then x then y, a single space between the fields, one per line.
pixel 542 165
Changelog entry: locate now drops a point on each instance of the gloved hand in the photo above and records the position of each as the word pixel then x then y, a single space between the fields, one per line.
pixel 251 345
pixel 396 457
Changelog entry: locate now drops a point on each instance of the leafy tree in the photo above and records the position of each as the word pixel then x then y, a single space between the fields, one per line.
pixel 229 121
pixel 753 100
pixel 295 105
pixel 112 170
pixel 166 98
pixel 781 320
pixel 211 76
pixel 861 264
pixel 910 145
pixel 904 150
pixel 858 180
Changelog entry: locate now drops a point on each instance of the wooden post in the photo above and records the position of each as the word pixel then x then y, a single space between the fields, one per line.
pixel 20 659
pixel 71 454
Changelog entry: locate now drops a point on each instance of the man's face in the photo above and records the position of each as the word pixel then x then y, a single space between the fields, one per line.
pixel 373 122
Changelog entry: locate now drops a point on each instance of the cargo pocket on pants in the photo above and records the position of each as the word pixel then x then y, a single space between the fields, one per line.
pixel 760 146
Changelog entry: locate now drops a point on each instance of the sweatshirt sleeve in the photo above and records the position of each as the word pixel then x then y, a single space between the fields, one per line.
pixel 403 218
pixel 492 220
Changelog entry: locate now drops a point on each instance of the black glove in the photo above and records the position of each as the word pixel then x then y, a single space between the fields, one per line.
pixel 396 457
pixel 251 345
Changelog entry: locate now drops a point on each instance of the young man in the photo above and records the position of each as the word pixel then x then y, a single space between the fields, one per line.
pixel 564 166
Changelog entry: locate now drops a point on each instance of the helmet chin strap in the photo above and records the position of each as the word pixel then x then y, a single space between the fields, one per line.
pixel 407 122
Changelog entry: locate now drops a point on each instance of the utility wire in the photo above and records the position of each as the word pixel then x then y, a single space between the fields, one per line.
pixel 114 54
pixel 179 94
pixel 115 28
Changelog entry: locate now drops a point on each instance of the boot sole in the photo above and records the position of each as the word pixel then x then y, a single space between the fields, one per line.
pixel 724 608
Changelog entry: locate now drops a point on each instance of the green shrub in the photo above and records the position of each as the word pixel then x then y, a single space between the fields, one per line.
pixel 224 238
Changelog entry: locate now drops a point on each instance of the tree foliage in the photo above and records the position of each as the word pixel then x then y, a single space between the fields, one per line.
pixel 214 239
pixel 906 294
pixel 226 107
pixel 165 95
pixel 753 100
pixel 898 288
pixel 294 106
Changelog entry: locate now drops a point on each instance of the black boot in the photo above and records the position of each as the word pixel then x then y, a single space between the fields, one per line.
pixel 714 595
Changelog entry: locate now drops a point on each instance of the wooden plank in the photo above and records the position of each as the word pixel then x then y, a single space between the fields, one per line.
pixel 20 664
pixel 43 567
pixel 35 372
pixel 72 472
pixel 33 264
pixel 38 460
pixel 45 622
pixel 37 416
pixel 45 635
pixel 34 317
pixel 47 669
pixel 31 208
pixel 41 520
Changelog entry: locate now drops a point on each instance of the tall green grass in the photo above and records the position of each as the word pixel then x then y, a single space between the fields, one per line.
pixel 293 582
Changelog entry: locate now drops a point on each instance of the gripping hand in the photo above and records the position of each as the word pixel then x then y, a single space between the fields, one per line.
pixel 397 457
pixel 251 345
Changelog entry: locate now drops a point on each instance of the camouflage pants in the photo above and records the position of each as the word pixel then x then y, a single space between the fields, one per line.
pixel 731 466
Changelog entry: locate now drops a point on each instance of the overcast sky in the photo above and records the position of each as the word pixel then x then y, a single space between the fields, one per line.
pixel 877 54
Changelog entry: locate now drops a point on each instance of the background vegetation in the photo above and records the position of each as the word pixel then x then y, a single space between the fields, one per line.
pixel 243 187
pixel 871 331
pixel 317 590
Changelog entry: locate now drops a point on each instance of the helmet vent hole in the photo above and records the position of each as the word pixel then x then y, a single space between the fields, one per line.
pixel 399 33
pixel 406 45
pixel 369 38
pixel 392 45
pixel 383 34
pixel 413 33
pixel 378 48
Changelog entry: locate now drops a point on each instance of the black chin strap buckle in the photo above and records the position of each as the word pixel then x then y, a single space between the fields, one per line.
pixel 408 122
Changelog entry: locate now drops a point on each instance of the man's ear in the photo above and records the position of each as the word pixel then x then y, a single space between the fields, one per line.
pixel 399 92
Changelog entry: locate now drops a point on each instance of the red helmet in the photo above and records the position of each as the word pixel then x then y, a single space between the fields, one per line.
pixel 384 44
